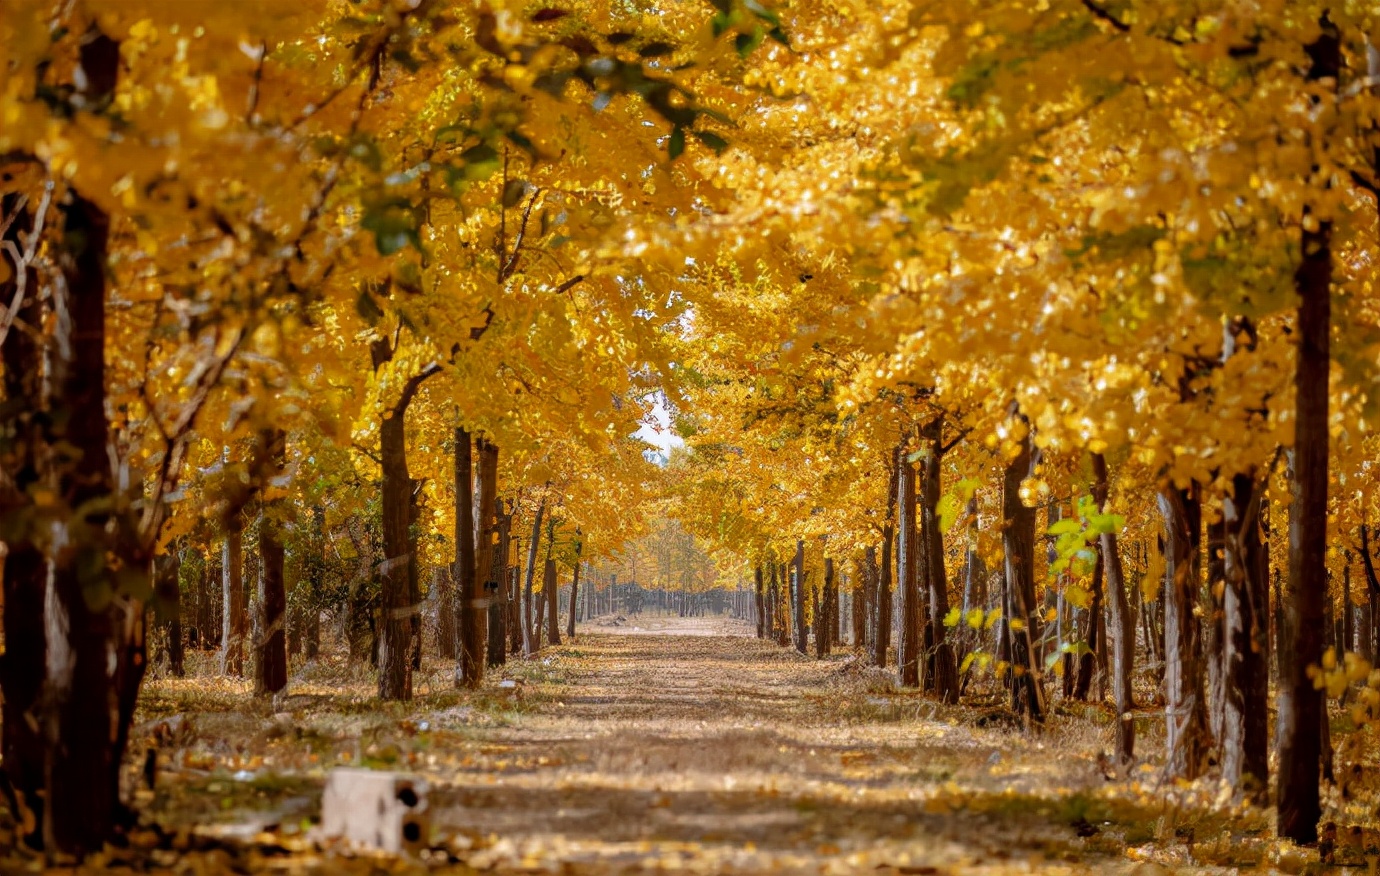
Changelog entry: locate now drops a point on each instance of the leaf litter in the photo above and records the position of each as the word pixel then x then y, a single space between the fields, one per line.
pixel 687 747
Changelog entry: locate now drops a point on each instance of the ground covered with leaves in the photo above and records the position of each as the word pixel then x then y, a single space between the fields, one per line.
pixel 666 744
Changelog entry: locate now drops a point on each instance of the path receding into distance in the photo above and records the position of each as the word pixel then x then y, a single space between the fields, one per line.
pixel 666 744
pixel 671 743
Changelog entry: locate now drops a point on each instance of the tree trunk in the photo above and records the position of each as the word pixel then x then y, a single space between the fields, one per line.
pixel 1245 734
pixel 167 599
pixel 529 632
pixel 25 573
pixel 1186 735
pixel 93 632
pixel 881 614
pixel 500 606
pixel 1018 542
pixel 759 593
pixel 1300 750
pixel 824 620
pixel 931 490
pixel 908 571
pixel 270 674
pixel 798 627
pixel 234 604
pixel 468 588
pixel 1214 631
pixel 395 639
pixel 575 589
pixel 1123 623
pixel 550 592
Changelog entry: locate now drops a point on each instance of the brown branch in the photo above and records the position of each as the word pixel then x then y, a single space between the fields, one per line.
pixel 510 267
pixel 1106 16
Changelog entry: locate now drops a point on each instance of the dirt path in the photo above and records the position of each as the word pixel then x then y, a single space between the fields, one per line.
pixel 683 745
pixel 720 753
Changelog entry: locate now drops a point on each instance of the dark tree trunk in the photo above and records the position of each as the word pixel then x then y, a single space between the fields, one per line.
pixel 271 666
pixel 931 489
pixel 167 596
pixel 773 600
pixel 25 573
pixel 1245 735
pixel 881 613
pixel 94 646
pixel 798 627
pixel 529 630
pixel 395 619
pixel 908 572
pixel 550 592
pixel 471 649
pixel 1214 631
pixel 1018 543
pixel 1123 623
pixel 1300 750
pixel 759 593
pixel 233 600
pixel 398 622
pixel 575 589
pixel 824 623
pixel 1187 740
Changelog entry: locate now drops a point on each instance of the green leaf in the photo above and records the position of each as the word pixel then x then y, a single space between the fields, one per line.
pixel 953 617
pixel 745 43
pixel 676 146
pixel 1067 526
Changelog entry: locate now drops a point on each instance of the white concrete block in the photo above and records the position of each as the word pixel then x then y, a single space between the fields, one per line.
pixel 381 810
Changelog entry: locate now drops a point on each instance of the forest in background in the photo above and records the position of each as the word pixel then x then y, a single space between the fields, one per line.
pixel 1038 341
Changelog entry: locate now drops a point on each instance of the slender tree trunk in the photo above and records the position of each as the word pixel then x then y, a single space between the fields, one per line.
pixel 447 613
pixel 551 591
pixel 802 632
pixel 1300 752
pixel 824 621
pixel 311 634
pixel 234 605
pixel 1187 739
pixel 1245 735
pixel 1212 624
pixel 470 668
pixel 529 631
pixel 1018 542
pixel 395 665
pixel 574 589
pixel 907 570
pixel 759 592
pixel 881 620
pixel 1123 623
pixel 167 599
pixel 945 663
pixel 271 668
